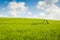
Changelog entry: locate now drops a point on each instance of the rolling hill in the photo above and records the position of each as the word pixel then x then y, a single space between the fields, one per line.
pixel 29 29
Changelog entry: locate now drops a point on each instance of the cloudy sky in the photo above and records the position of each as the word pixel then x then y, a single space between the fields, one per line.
pixel 47 9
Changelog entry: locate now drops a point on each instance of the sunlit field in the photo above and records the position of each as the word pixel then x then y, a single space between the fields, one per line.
pixel 29 29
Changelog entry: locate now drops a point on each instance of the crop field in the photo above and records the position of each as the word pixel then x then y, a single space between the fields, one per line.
pixel 29 29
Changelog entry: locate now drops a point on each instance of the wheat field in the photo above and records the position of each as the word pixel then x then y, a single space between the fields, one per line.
pixel 29 29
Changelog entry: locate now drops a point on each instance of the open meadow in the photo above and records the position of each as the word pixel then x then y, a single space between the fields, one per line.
pixel 29 29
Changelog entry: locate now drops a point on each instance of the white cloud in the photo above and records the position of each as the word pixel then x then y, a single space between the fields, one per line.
pixel 3 8
pixel 41 4
pixel 17 8
pixel 46 4
pixel 1 15
pixel 13 13
pixel 51 10
pixel 42 14
pixel 12 6
pixel 54 11
pixel 51 1
pixel 29 12
pixel 21 6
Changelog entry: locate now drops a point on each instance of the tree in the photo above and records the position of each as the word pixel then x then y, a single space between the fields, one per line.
pixel 45 21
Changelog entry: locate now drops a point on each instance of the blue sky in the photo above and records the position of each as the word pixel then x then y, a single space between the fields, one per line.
pixel 29 3
pixel 30 8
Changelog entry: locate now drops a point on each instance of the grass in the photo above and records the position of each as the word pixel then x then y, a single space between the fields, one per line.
pixel 29 29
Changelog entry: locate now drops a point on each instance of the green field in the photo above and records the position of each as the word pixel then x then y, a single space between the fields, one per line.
pixel 29 29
